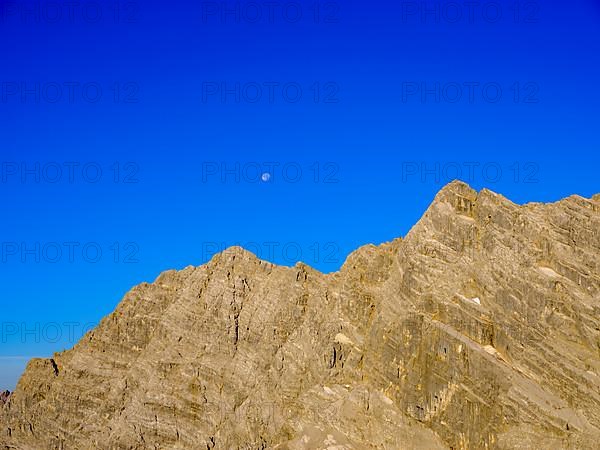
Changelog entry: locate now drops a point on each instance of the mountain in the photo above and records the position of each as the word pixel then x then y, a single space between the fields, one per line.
pixel 480 329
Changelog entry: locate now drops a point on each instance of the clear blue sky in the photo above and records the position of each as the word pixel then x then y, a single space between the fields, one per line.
pixel 147 136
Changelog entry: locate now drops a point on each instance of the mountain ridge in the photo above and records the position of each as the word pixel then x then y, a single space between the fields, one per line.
pixel 440 339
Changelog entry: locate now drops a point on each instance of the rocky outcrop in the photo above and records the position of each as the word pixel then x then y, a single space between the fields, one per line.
pixel 4 397
pixel 480 329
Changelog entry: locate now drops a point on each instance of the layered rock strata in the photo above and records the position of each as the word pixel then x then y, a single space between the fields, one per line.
pixel 480 329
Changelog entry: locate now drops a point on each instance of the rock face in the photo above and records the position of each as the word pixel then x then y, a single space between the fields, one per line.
pixel 4 397
pixel 480 329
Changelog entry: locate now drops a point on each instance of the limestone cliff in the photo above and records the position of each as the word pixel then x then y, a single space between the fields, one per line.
pixel 480 329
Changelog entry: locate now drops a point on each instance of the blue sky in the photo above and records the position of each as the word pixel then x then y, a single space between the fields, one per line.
pixel 143 136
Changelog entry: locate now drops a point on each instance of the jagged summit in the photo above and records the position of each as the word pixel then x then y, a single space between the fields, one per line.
pixel 479 329
pixel 454 187
pixel 457 193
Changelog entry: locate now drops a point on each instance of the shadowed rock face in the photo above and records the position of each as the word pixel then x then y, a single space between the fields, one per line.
pixel 4 397
pixel 480 329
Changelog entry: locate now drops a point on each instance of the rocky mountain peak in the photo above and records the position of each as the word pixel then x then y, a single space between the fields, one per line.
pixel 479 329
